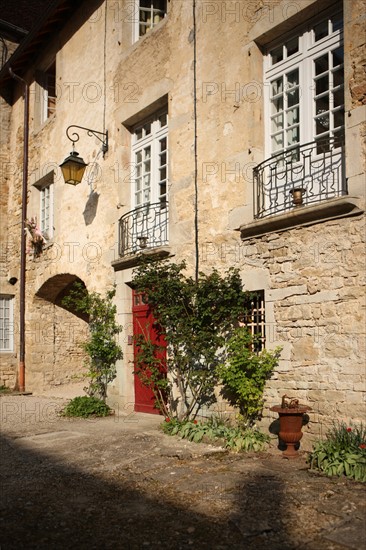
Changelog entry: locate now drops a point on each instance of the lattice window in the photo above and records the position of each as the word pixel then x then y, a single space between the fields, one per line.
pixel 150 13
pixel 254 319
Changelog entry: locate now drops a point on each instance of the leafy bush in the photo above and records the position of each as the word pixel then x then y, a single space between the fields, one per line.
pixel 244 373
pixel 101 346
pixel 343 452
pixel 234 438
pixel 196 318
pixel 86 406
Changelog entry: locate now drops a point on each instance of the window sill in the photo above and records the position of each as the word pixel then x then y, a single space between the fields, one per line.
pixel 135 259
pixel 331 209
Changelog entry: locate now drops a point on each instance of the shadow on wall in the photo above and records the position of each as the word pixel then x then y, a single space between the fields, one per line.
pixel 91 207
pixel 52 504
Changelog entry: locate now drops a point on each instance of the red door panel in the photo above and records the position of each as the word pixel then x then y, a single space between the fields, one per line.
pixel 143 324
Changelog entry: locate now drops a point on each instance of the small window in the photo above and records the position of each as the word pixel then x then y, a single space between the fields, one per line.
pixel 6 323
pixel 46 96
pixel 45 187
pixel 150 13
pixel 254 319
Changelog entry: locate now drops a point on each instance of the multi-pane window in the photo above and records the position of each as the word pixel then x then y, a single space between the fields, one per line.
pixel 48 100
pixel 45 188
pixel 150 161
pixel 254 319
pixel 6 323
pixel 46 211
pixel 304 120
pixel 305 83
pixel 150 13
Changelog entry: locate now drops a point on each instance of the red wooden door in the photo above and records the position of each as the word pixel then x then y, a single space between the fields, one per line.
pixel 144 324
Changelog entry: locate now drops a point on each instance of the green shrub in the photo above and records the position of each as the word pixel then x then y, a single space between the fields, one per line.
pixel 245 372
pixel 86 406
pixel 343 452
pixel 234 438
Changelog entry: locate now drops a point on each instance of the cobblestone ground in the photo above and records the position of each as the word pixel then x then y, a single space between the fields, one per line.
pixel 121 483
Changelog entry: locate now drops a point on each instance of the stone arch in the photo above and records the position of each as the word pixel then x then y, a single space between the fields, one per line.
pixel 55 334
pixel 57 287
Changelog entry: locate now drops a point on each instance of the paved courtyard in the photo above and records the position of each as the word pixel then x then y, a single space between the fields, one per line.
pixel 120 483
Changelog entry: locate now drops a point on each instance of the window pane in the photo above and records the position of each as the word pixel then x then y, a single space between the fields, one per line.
pixel 277 142
pixel 292 116
pixel 277 86
pixel 293 97
pixel 338 78
pixel 337 57
pixel 338 98
pixel 322 104
pixel 163 173
pixel 277 123
pixel 321 30
pixel 321 64
pixel 337 22
pixel 276 55
pixel 293 78
pixel 292 46
pixel 147 129
pixel 322 124
pixel 162 159
pixel 277 105
pixel 163 120
pixel 293 136
pixel 321 85
pixel 138 133
pixel 338 118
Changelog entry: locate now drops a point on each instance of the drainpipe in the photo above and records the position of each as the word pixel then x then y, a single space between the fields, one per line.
pixel 21 374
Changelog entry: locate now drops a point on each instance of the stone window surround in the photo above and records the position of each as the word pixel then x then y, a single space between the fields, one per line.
pixel 263 33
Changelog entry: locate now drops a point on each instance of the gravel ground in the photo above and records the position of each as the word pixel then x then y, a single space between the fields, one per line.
pixel 120 483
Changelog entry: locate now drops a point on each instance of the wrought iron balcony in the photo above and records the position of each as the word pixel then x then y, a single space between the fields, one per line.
pixel 144 227
pixel 304 175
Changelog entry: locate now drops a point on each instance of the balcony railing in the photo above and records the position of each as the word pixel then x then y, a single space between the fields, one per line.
pixel 304 175
pixel 144 227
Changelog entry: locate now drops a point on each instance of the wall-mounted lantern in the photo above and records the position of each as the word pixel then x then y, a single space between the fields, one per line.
pixel 73 167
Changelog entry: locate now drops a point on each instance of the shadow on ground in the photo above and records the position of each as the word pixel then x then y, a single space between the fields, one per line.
pixel 49 504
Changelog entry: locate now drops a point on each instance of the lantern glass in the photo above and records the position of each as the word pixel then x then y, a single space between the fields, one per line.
pixel 73 168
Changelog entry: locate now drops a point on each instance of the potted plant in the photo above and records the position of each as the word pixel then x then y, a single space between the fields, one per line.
pixel 291 416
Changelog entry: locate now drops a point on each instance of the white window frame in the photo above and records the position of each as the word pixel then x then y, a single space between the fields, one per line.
pixel 152 135
pixel 6 323
pixel 45 186
pixel 309 50
pixel 48 102
pixel 154 17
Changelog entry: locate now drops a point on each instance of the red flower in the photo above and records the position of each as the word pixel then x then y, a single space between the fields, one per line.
pixel 349 429
pixel 195 422
pixel 167 420
pixel 362 446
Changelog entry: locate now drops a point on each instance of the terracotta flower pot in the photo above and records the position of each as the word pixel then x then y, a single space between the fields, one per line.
pixel 291 422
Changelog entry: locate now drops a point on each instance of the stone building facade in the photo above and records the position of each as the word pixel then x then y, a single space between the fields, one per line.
pixel 196 97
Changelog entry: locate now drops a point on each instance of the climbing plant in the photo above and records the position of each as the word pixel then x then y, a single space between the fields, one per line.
pixel 196 318
pixel 101 345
